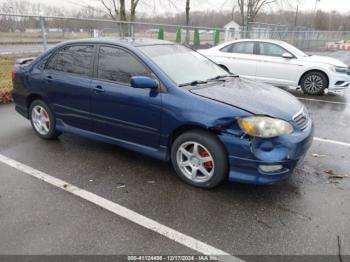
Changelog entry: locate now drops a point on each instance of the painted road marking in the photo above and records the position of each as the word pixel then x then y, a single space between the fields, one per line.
pixel 331 141
pixel 325 101
pixel 122 211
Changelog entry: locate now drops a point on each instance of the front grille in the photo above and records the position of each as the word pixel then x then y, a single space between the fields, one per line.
pixel 302 119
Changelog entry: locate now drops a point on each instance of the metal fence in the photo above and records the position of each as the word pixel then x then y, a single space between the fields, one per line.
pixel 30 33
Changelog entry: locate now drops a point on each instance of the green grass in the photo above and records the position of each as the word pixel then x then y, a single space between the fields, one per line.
pixel 6 67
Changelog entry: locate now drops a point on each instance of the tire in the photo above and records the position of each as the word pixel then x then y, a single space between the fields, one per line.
pixel 314 83
pixel 43 120
pixel 210 163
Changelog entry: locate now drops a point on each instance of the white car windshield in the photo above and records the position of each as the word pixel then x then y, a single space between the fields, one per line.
pixel 294 50
pixel 182 64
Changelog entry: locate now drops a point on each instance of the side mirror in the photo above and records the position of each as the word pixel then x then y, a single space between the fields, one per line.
pixel 287 55
pixel 143 82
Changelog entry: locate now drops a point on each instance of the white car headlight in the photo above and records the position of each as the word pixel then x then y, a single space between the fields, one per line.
pixel 265 127
pixel 339 69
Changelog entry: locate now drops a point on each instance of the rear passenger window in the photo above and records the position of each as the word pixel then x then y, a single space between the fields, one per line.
pixel 72 59
pixel 240 48
pixel 115 64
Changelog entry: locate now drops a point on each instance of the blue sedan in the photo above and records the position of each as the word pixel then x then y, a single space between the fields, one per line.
pixel 166 101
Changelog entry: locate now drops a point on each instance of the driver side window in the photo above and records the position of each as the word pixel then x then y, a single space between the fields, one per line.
pixel 117 65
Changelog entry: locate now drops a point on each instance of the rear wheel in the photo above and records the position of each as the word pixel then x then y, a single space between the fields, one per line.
pixel 314 83
pixel 199 159
pixel 42 120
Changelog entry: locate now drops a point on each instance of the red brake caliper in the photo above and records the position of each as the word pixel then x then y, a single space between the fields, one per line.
pixel 47 116
pixel 209 164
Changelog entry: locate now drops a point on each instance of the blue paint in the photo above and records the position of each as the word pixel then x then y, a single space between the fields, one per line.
pixel 145 116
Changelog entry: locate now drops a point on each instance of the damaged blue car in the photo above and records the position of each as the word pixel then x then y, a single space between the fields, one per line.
pixel 166 101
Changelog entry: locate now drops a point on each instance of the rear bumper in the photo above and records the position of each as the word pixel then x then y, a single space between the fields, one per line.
pixel 20 96
pixel 247 156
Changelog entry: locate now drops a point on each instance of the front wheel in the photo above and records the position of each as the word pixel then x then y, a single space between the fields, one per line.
pixel 314 83
pixel 199 159
pixel 43 120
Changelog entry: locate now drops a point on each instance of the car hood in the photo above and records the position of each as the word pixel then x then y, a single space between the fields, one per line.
pixel 256 98
pixel 324 60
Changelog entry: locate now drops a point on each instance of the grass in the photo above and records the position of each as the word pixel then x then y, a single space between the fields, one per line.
pixel 6 67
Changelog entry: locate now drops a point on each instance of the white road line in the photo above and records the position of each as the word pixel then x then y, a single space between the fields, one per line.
pixel 122 211
pixel 324 101
pixel 331 141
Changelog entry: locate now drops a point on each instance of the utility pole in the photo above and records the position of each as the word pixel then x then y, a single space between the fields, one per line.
pixel 296 16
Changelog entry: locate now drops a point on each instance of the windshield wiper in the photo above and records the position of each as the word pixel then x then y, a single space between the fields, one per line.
pixel 194 83
pixel 221 76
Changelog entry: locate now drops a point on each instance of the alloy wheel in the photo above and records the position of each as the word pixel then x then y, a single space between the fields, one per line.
pixel 313 84
pixel 41 120
pixel 195 161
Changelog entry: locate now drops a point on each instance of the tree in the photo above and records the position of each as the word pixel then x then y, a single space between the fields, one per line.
pixel 249 9
pixel 116 9
pixel 133 5
pixel 216 37
pixel 196 39
pixel 161 33
pixel 178 36
pixel 187 10
pixel 111 7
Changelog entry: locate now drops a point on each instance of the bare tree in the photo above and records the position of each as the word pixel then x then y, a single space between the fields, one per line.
pixel 187 10
pixel 249 9
pixel 111 7
pixel 133 6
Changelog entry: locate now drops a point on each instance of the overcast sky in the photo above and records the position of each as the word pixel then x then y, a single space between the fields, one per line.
pixel 201 5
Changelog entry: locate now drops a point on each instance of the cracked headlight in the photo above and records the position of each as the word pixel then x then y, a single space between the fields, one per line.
pixel 265 127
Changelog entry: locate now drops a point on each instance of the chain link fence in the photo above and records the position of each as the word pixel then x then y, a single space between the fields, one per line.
pixel 29 33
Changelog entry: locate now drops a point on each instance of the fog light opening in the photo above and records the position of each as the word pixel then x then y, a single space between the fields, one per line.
pixel 270 168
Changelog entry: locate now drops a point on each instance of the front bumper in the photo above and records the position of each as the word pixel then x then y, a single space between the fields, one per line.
pixel 339 82
pixel 247 155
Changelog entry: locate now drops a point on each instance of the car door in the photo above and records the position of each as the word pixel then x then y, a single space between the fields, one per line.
pixel 273 68
pixel 240 59
pixel 119 110
pixel 67 78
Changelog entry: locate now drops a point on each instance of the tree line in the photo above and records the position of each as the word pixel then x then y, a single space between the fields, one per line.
pixel 243 12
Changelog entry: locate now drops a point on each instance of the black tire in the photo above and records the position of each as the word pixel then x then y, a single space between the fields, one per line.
pixel 216 150
pixel 314 83
pixel 52 132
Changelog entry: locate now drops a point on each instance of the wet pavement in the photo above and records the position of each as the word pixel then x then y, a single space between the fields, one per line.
pixel 304 215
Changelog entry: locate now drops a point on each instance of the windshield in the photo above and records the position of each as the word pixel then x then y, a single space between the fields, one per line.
pixel 295 50
pixel 182 64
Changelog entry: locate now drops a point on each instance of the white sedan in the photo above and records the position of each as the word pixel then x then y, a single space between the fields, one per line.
pixel 280 64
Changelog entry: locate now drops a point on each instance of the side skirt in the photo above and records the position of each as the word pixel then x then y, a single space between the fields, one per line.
pixel 160 153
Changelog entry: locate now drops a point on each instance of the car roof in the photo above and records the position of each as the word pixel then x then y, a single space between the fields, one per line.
pixel 260 40
pixel 125 41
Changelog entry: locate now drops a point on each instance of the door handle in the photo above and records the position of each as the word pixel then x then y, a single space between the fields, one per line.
pixel 49 79
pixel 98 89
